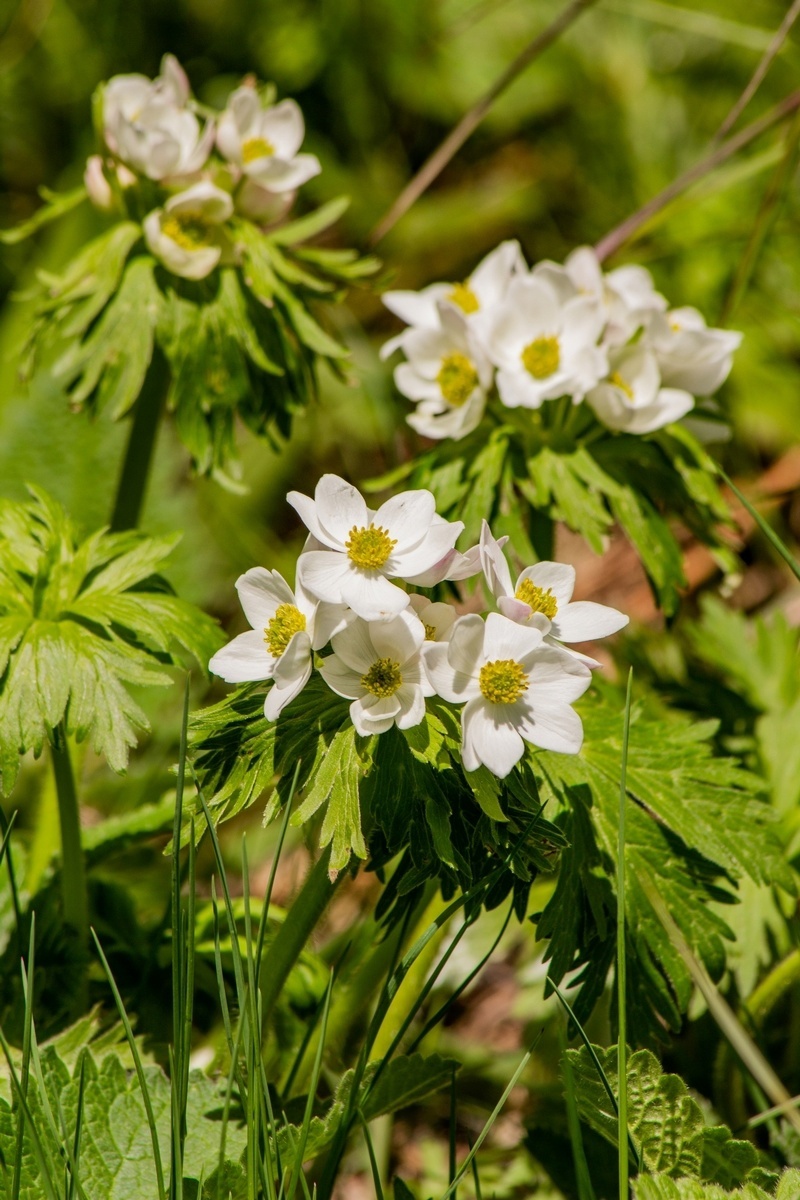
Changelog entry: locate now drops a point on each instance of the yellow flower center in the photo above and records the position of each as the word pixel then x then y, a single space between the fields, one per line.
pixel 383 678
pixel 541 601
pixel 503 681
pixel 463 296
pixel 187 230
pixel 457 378
pixel 369 547
pixel 619 382
pixel 287 621
pixel 541 357
pixel 430 632
pixel 256 147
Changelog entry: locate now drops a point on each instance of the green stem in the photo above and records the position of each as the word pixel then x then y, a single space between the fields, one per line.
pixel 309 905
pixel 73 870
pixel 622 1032
pixel 141 443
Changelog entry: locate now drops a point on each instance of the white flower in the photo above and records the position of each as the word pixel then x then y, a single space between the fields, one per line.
pixel 97 186
pixel 377 665
pixel 690 355
pixel 147 125
pixel 286 627
pixel 186 233
pixel 626 296
pixel 515 689
pixel 542 597
pixel 544 348
pixel 475 298
pixel 452 566
pixel 437 617
pixel 264 142
pixel 449 376
pixel 632 398
pixel 366 549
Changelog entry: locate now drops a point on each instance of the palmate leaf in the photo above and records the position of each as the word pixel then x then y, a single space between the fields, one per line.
pixel 523 476
pixel 695 823
pixel 662 1187
pixel 81 621
pixel 665 1121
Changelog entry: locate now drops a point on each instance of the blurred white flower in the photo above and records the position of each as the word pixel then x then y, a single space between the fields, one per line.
pixel 286 627
pixel 148 126
pixel 366 549
pixel 447 374
pixel 264 142
pixel 97 186
pixel 542 597
pixel 545 347
pixel 377 665
pixel 515 689
pixel 632 398
pixel 437 617
pixel 186 234
pixel 690 355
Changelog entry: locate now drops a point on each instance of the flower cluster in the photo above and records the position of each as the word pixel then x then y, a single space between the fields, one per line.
pixel 390 649
pixel 202 169
pixel 530 335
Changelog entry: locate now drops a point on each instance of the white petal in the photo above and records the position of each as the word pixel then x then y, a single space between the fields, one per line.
pixel 353 645
pixel 244 659
pixel 439 539
pixel 412 706
pixel 278 175
pixel 260 593
pixel 341 679
pixel 407 517
pixel 323 573
pixel 558 577
pixel 295 660
pixel 376 718
pixel 372 596
pixel 465 651
pixel 329 619
pixel 518 611
pixel 448 683
pixel 284 690
pixel 210 202
pixel 340 506
pixel 417 308
pixel 283 127
pixel 490 737
pixel 553 728
pixel 398 639
pixel 306 509
pixel 494 564
pixel 506 639
pixel 583 621
pixel 556 676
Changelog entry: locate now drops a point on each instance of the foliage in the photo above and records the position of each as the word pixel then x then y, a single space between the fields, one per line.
pixel 660 1187
pixel 79 620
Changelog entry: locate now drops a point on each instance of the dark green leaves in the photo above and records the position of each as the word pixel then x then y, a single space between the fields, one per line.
pixel 80 623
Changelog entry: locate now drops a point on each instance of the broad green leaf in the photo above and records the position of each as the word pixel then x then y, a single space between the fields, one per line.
pixel 662 1187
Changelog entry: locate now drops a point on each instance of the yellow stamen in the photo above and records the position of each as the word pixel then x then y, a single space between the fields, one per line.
pixel 369 547
pixel 463 296
pixel 619 382
pixel 256 147
pixel 541 357
pixel 187 230
pixel 503 681
pixel 287 621
pixel 541 601
pixel 383 678
pixel 430 632
pixel 457 378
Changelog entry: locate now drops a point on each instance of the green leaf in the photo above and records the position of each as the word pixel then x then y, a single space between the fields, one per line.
pixel 337 781
pixel 662 1187
pixel 666 1123
pixel 407 1080
pixel 55 205
pixel 80 622
pixel 302 228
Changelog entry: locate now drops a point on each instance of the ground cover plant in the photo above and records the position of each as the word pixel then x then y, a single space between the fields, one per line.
pixel 399 689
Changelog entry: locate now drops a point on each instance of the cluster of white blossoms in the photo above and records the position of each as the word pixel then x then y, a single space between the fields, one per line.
pixel 553 331
pixel 391 648
pixel 245 160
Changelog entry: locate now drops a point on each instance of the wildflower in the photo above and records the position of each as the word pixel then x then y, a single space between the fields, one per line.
pixel 264 142
pixel 366 549
pixel 437 617
pixel 454 565
pixel 286 627
pixel 186 233
pixel 377 665
pixel 690 355
pixel 542 597
pixel 544 348
pixel 148 126
pixel 514 686
pixel 632 398
pixel 448 374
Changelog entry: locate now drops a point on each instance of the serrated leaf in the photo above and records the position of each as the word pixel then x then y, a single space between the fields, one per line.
pixel 302 228
pixel 665 1121
pixel 662 1187
pixel 337 782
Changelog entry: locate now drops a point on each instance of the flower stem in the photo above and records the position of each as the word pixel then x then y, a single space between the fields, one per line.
pixel 309 905
pixel 141 443
pixel 73 870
